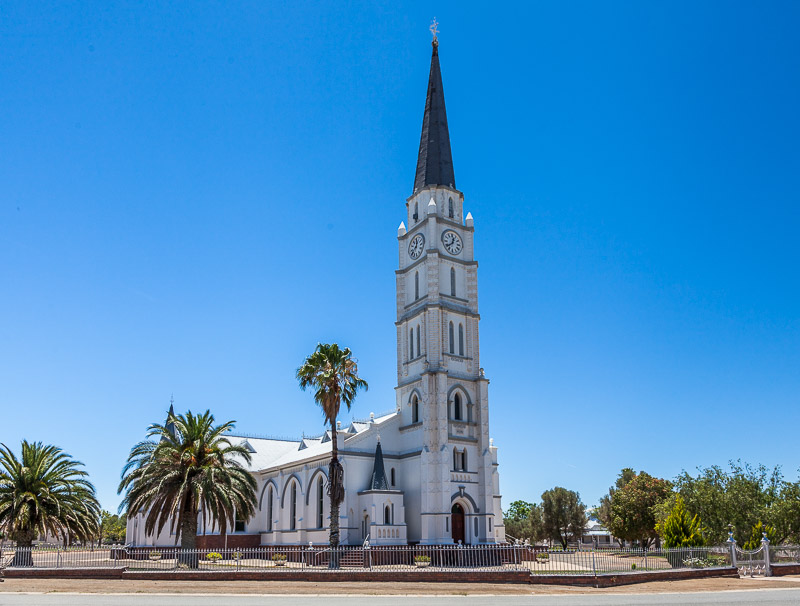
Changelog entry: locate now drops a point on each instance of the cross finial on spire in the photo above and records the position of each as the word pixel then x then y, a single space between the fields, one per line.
pixel 435 31
pixel 171 399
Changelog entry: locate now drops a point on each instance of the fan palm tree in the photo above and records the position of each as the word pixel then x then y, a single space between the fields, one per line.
pixel 45 491
pixel 333 375
pixel 189 466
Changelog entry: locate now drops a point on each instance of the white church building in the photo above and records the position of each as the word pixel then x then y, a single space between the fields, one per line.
pixel 427 473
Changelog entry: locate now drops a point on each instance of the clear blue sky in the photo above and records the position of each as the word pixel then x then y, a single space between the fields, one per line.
pixel 191 196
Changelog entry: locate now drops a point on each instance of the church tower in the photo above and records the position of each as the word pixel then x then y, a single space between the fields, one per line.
pixel 442 393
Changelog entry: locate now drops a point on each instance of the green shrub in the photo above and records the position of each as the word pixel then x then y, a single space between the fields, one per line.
pixel 422 558
pixel 757 534
pixel 680 529
pixel 279 557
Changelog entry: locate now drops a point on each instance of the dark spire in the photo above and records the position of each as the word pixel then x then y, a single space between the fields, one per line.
pixel 170 425
pixel 435 162
pixel 378 479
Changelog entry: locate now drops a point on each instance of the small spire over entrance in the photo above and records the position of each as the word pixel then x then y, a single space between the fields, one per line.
pixel 170 424
pixel 378 479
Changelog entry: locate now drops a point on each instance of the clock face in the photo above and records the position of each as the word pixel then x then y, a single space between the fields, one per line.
pixel 416 246
pixel 452 242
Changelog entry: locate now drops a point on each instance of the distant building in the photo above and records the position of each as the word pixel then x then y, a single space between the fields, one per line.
pixel 426 472
pixel 595 534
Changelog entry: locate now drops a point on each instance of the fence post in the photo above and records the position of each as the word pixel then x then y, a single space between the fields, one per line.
pixel 732 546
pixel 594 567
pixel 765 547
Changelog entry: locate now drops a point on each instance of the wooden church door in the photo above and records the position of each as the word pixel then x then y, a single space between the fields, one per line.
pixel 457 524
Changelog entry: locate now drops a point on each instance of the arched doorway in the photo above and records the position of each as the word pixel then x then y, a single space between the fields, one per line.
pixel 365 528
pixel 457 523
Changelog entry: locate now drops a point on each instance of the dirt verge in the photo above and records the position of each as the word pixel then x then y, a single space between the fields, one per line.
pixel 385 588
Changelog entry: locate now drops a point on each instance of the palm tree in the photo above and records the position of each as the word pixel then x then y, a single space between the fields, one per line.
pixel 333 375
pixel 45 491
pixel 191 465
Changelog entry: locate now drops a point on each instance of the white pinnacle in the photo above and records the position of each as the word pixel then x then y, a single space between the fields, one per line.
pixel 401 231
pixel 468 220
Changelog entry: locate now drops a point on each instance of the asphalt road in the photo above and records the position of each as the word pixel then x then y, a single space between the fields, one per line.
pixel 781 597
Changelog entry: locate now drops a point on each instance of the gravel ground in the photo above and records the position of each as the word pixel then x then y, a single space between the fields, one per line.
pixel 376 588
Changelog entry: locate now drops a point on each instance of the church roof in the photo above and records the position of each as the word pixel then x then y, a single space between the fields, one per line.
pixel 264 452
pixel 269 453
pixel 378 479
pixel 435 161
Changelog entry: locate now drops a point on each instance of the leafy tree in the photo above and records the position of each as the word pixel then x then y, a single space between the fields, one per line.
pixel 191 465
pixel 112 527
pixel 784 513
pixel 44 491
pixel 632 515
pixel 757 535
pixel 603 510
pixel 523 520
pixel 518 510
pixel 563 515
pixel 742 496
pixel 681 529
pixel 333 375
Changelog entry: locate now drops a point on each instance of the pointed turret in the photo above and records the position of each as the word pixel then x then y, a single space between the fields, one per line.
pixel 170 424
pixel 435 162
pixel 378 479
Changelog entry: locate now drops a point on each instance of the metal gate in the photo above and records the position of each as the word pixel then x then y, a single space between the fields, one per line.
pixel 751 562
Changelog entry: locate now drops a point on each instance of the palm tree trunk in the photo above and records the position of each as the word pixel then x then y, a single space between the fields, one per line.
pixel 188 531
pixel 334 527
pixel 334 478
pixel 23 556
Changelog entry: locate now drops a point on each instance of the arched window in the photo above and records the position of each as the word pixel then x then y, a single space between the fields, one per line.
pixel 419 349
pixel 452 282
pixel 320 504
pixel 451 208
pixel 391 474
pixel 387 515
pixel 269 509
pixel 452 340
pixel 460 339
pixel 416 211
pixel 238 523
pixel 416 285
pixel 459 459
pixel 457 407
pixel 410 343
pixel 293 507
pixel 415 410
